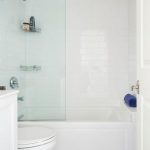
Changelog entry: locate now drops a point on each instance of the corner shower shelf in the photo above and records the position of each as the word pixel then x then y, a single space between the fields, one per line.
pixel 30 26
pixel 36 30
pixel 30 68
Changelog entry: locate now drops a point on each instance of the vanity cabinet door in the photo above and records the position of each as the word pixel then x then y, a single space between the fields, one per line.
pixel 8 122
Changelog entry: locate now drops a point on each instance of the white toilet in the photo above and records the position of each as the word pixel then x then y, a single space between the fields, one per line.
pixel 35 138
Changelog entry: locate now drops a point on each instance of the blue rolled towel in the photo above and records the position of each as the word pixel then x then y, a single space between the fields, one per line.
pixel 130 100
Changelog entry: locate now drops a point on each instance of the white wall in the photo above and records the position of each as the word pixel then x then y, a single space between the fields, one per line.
pixel 97 56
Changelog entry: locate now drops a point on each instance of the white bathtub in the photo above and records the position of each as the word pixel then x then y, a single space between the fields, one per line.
pixel 93 135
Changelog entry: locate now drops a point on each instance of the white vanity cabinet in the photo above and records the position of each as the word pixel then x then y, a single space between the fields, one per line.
pixel 8 120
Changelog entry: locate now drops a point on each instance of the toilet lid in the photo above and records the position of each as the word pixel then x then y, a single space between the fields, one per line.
pixel 34 134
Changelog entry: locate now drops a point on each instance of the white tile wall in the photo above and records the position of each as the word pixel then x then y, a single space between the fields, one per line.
pixel 45 89
pixel 100 53
pixel 11 39
pixel 12 42
pixel 132 43
pixel 97 55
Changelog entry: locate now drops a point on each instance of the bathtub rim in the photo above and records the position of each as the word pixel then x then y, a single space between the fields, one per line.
pixel 79 125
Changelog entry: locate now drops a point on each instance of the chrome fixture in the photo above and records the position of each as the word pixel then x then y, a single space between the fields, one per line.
pixel 136 87
pixel 30 68
pixel 14 83
pixel 32 24
pixel 20 117
pixel 29 26
pixel 20 99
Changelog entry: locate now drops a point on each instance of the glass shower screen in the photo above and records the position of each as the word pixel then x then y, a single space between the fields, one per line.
pixel 43 72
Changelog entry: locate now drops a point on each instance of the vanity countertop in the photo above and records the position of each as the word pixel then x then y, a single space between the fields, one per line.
pixel 4 93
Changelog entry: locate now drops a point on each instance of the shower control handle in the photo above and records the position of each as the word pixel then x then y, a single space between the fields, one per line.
pixel 14 83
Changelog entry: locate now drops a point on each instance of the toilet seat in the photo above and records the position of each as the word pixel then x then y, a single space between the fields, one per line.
pixel 34 136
